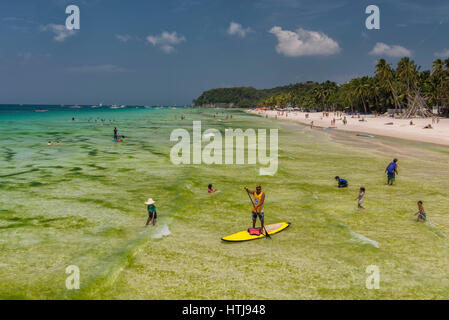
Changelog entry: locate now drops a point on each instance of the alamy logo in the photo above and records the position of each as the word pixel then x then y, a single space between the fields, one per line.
pixel 72 282
pixel 191 151
pixel 373 279
pixel 73 20
pixel 373 20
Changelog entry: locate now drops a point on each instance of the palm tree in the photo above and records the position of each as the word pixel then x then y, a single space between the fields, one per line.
pixel 385 74
pixel 437 81
pixel 408 71
pixel 362 91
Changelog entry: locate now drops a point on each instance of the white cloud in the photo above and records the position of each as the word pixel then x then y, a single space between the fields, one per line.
pixel 60 31
pixel 304 43
pixel 442 54
pixel 25 55
pixel 123 37
pixel 166 41
pixel 237 29
pixel 103 68
pixel 10 19
pixel 382 49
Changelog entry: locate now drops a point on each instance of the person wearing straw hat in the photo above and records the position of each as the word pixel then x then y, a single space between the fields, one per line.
pixel 152 214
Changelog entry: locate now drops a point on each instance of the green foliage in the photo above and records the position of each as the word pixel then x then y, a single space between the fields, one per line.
pixel 246 96
pixel 388 88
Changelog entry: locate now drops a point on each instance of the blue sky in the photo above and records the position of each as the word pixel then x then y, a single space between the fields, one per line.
pixel 168 52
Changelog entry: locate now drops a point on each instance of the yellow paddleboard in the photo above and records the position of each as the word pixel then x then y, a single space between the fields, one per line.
pixel 245 236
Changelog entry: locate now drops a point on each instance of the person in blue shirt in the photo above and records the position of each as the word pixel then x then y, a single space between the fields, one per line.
pixel 342 183
pixel 392 171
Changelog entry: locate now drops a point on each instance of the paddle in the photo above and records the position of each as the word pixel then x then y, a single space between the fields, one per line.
pixel 254 206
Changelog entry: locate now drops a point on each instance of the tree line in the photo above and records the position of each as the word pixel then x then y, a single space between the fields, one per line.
pixel 389 88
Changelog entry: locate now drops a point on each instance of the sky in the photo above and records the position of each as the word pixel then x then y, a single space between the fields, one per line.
pixel 153 52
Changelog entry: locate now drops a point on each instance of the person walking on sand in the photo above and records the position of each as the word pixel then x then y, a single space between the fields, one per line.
pixel 421 213
pixel 360 198
pixel 392 171
pixel 257 211
pixel 152 214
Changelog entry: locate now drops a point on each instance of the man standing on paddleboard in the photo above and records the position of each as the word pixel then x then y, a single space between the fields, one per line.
pixel 259 199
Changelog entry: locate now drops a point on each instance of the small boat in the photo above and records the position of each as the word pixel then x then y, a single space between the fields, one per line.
pixel 40 110
pixel 75 107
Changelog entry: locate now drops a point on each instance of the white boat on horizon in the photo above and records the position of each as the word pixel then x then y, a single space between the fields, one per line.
pixel 117 107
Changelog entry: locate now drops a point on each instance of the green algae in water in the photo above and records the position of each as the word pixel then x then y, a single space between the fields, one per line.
pixel 77 217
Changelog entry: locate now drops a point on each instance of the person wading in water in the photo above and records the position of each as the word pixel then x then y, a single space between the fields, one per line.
pixel 259 199
pixel 392 171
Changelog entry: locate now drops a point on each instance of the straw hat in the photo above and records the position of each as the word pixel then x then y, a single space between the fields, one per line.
pixel 150 201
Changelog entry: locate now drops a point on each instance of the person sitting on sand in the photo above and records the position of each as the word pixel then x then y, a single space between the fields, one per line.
pixel 49 143
pixel 342 183
pixel 421 213
pixel 259 199
pixel 392 171
pixel 360 198
pixel 429 126
pixel 210 188
pixel 411 123
pixel 152 214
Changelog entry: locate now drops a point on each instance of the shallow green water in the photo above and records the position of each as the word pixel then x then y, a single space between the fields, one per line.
pixel 81 203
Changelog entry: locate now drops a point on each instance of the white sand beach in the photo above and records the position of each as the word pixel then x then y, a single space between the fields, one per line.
pixel 373 125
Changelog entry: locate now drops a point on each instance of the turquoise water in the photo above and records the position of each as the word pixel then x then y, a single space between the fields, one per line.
pixel 81 202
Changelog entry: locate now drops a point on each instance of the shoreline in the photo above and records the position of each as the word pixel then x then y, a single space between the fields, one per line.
pixel 373 125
